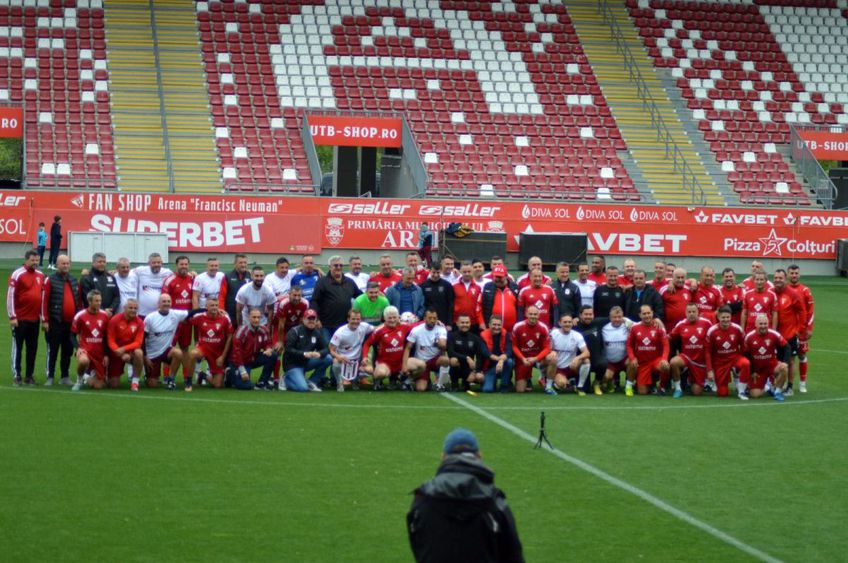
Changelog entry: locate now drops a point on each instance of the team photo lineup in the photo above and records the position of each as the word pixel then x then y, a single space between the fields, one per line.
pixel 440 325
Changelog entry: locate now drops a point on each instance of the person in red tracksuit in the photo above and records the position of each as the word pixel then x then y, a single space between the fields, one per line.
pixel 23 304
pixel 466 294
pixel 252 348
pixel 500 297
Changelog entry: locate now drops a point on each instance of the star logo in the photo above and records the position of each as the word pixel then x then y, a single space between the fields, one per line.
pixel 701 217
pixel 789 219
pixel 773 244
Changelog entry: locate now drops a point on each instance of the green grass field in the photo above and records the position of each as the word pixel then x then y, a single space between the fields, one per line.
pixel 227 475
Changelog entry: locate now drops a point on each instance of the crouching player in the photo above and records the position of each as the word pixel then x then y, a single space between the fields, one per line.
pixel 647 353
pixel 252 348
pixel 425 352
pixel 346 349
pixel 125 336
pixel 724 352
pixel 467 352
pixel 690 337
pixel 388 342
pixel 531 345
pixel 769 353
pixel 499 365
pixel 572 359
pixel 89 331
pixel 214 337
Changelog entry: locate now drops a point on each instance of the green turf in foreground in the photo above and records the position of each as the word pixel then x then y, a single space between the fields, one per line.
pixel 223 475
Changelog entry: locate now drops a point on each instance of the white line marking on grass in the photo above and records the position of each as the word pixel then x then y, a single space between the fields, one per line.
pixel 664 405
pixel 830 351
pixel 616 482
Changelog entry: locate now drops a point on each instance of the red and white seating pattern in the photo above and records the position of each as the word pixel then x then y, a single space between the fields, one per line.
pixel 740 87
pixel 499 95
pixel 53 61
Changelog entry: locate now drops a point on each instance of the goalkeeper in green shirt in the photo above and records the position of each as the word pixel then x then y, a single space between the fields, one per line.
pixel 371 304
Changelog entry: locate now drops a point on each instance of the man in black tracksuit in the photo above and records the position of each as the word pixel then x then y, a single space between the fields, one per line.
pixel 438 294
pixel 104 282
pixel 231 285
pixel 590 327
pixel 566 291
pixel 608 295
pixel 459 515
pixel 642 293
pixel 467 352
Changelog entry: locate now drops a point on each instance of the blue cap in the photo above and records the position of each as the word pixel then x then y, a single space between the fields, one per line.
pixel 461 440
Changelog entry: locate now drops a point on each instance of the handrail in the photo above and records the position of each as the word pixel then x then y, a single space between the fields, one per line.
pixel 169 162
pixel 823 187
pixel 672 151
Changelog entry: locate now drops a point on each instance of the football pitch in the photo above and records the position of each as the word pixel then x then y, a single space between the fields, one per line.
pixel 256 476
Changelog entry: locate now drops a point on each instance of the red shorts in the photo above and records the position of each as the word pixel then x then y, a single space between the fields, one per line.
pixel 523 372
pixel 760 373
pixel 116 367
pixel 617 367
pixel 432 365
pixel 183 335
pixel 646 371
pixel 722 372
pixel 210 355
pixel 566 372
pixel 697 373
pixel 94 362
pixel 395 366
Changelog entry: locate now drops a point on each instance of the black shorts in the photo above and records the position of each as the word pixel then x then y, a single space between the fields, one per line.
pixel 793 346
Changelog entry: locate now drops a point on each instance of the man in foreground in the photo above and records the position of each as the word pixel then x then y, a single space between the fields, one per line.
pixel 460 515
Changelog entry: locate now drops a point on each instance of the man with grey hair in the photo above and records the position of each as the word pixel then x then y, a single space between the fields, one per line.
pixel 333 297
pixel 127 283
pixel 406 296
pixel 151 278
pixel 104 282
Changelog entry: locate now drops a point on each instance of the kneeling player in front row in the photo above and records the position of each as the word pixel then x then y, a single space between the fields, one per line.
pixel 89 331
pixel 499 365
pixel 214 339
pixel 571 368
pixel 305 351
pixel 252 348
pixel 125 338
pixel 346 350
pixel 647 353
pixel 690 335
pixel 769 354
pixel 388 342
pixel 425 351
pixel 466 352
pixel 724 352
pixel 531 344
pixel 160 330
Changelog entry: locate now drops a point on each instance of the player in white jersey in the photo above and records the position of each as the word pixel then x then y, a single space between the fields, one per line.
pixel 346 349
pixel 207 285
pixel 150 281
pixel 572 358
pixel 614 336
pixel 255 295
pixel 127 282
pixel 356 274
pixel 429 341
pixel 279 281
pixel 160 327
pixel 585 285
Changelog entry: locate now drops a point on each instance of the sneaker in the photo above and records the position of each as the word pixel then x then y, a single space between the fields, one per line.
pixel 312 387
pixel 340 385
pixel 742 397
pixel 406 386
pixel 550 391
pixel 281 386
pixel 77 386
pixel 201 376
pixel 171 384
pixel 628 391
pixel 598 390
pixel 66 381
pixel 678 393
pixel 610 387
pixel 778 396
pixel 439 388
pixel 16 381
pixel 134 387
pixel 48 383
pixel 789 392
pixel 802 387
pixel 188 388
pixel 377 386
pixel 581 393
pixel 29 381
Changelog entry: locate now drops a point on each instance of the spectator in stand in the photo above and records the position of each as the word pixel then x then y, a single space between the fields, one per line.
pixel 231 285
pixel 371 304
pixel 498 367
pixel 425 244
pixel 307 277
pixel 125 338
pixel 387 276
pixel 23 304
pixel 41 243
pixel 127 282
pixel 252 348
pixel 104 282
pixel 567 293
pixel 60 304
pixel 406 296
pixel 307 351
pixel 598 267
pixel 608 295
pixel 356 274
pixel 333 297
pixel 55 242
pixel 438 295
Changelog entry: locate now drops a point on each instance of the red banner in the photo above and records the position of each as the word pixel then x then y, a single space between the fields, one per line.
pixel 12 122
pixel 826 145
pixel 354 131
pixel 294 225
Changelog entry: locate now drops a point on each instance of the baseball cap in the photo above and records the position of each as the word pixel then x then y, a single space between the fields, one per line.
pixel 310 314
pixel 499 271
pixel 460 441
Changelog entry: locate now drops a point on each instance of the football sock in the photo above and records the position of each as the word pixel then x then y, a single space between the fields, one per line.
pixel 444 375
pixel 130 371
pixel 629 384
pixel 549 384
pixel 677 385
pixel 134 379
pixel 802 369
pixel 584 374
pixel 742 387
pixel 85 377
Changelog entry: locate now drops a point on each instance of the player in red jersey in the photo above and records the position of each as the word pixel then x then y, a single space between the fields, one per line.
pixel 89 329
pixel 625 280
pixel 647 354
pixel 466 294
pixel 214 338
pixel 707 295
pixel 124 336
pixel 759 301
pixel 534 263
pixel 387 276
pixel 388 343
pixel 750 283
pixel 541 296
pixel 768 351
pixel 180 286
pixel 731 294
pixel 690 336
pixel 725 342
pixel 659 280
pixel 288 313
pixel 531 346
pixel 675 296
pixel 598 266
pixel 794 273
pixel 791 319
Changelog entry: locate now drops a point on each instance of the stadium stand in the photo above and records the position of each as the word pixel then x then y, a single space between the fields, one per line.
pixel 503 102
pixel 740 83
pixel 53 61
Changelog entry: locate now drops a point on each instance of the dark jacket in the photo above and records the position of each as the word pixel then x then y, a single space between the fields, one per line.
pixel 487 299
pixel 300 340
pixel 54 296
pixel 594 340
pixel 234 281
pixel 332 300
pixel 55 235
pixel 649 296
pixel 459 515
pixel 568 298
pixel 105 283
pixel 606 298
pixel 439 295
pixel 462 345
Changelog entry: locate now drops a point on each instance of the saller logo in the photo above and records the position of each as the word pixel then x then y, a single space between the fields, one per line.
pixel 379 208
pixel 467 210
